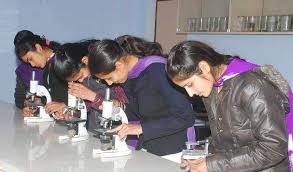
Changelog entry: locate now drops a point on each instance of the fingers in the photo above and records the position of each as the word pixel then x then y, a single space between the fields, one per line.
pixel 196 161
pixel 124 131
pixel 50 108
pixel 54 107
pixel 59 115
pixel 127 129
pixel 114 130
pixel 68 116
pixel 77 89
pixel 197 165
pixel 27 112
pixel 183 163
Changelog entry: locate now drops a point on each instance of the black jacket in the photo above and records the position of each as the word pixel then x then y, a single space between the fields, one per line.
pixel 247 121
pixel 58 88
pixel 19 93
pixel 164 113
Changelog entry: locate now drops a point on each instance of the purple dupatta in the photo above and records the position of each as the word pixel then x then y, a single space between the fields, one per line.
pixel 143 63
pixel 238 66
pixel 289 122
pixel 24 72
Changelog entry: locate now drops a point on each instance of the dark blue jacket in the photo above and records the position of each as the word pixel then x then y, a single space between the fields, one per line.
pixel 163 111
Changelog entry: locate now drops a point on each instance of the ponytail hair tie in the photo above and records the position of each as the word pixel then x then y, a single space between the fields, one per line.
pixel 47 42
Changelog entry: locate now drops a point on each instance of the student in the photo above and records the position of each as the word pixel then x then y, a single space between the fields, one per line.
pixel 23 75
pixel 246 109
pixel 71 66
pixel 39 53
pixel 164 113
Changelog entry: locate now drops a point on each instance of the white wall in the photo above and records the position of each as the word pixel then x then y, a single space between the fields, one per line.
pixel 68 20
pixel 261 49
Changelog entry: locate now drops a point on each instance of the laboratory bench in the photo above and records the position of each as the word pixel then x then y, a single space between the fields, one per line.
pixel 35 148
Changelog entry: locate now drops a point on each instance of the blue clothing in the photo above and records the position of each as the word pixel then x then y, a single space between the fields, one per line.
pixel 165 113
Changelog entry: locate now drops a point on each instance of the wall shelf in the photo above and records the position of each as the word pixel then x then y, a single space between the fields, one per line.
pixel 235 33
pixel 192 12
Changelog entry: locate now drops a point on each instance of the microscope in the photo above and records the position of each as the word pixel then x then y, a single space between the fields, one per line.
pixel 111 144
pixel 76 126
pixel 192 151
pixel 39 114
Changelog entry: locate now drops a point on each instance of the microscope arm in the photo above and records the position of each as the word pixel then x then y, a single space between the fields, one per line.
pixel 42 91
pixel 120 115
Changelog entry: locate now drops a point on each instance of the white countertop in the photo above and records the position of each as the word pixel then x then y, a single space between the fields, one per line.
pixel 35 148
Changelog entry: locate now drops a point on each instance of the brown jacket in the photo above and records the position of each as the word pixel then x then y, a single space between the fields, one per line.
pixel 247 121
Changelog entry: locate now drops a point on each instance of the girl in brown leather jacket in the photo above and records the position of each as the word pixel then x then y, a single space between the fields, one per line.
pixel 246 110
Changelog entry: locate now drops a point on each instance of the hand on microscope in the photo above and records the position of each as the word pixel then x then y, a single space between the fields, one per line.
pixel 81 91
pixel 63 116
pixel 127 129
pixel 54 107
pixel 197 165
pixel 28 111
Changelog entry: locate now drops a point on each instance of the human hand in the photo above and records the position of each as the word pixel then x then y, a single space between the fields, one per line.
pixel 27 112
pixel 81 91
pixel 1 170
pixel 63 116
pixel 198 165
pixel 115 103
pixel 53 107
pixel 127 129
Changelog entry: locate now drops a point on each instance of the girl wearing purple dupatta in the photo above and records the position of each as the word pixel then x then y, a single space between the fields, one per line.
pixel 164 113
pixel 246 110
pixel 38 53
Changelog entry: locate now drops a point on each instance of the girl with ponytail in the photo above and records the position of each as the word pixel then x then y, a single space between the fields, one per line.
pixel 38 53
pixel 165 115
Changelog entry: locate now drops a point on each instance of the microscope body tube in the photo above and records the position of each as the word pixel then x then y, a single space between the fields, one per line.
pixel 72 100
pixel 107 105
pixel 40 91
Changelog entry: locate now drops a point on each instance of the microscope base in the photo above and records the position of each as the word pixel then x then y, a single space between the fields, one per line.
pixel 76 138
pixel 111 153
pixel 193 154
pixel 37 119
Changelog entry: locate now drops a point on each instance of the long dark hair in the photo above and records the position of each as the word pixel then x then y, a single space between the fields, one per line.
pixel 69 56
pixel 184 57
pixel 25 41
pixel 104 55
pixel 139 47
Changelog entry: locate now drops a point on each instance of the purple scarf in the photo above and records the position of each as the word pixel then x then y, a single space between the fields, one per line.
pixel 238 66
pixel 235 67
pixel 140 66
pixel 143 63
pixel 24 71
pixel 289 122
